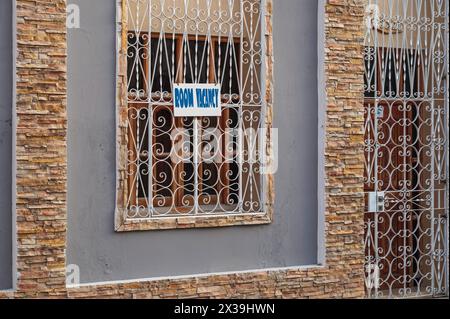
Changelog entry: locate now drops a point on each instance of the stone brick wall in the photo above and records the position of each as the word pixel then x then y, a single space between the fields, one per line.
pixel 41 147
pixel 41 176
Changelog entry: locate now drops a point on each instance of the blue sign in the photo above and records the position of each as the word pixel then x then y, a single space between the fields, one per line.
pixel 197 100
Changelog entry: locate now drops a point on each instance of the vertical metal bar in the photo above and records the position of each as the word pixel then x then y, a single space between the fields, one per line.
pixel 260 132
pixel 241 108
pixel 433 146
pixel 197 129
pixel 446 110
pixel 367 225
pixel 376 145
pixel 137 141
pixel 405 179
pixel 150 195
pixel 196 167
pixel 196 70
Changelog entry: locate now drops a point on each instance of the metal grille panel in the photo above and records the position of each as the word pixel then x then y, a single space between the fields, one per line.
pixel 194 166
pixel 406 148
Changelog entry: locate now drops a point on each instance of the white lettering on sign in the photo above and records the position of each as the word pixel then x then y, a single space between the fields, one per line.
pixel 196 100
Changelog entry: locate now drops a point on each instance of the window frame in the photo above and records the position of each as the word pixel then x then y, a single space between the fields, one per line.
pixel 122 221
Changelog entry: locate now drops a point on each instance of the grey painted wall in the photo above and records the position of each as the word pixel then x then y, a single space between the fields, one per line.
pixel 5 143
pixel 322 109
pixel 104 255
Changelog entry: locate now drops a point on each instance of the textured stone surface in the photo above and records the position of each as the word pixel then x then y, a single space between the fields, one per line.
pixel 42 173
pixel 41 147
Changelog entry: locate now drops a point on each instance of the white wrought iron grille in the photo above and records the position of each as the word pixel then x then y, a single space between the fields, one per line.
pixel 205 166
pixel 406 148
